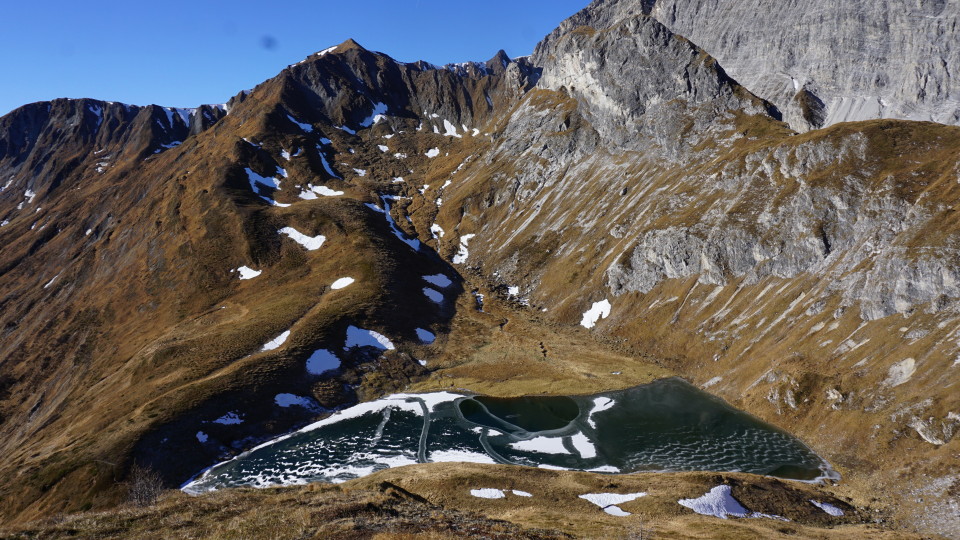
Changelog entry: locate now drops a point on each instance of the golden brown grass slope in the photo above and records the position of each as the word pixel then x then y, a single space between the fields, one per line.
pixel 435 501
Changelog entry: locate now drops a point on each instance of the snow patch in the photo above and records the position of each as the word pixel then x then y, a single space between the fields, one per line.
pixel 293 400
pixel 342 283
pixel 433 152
pixel 463 253
pixel 436 231
pixel 719 502
pixel 828 508
pixel 256 180
pixel 433 294
pixel 322 361
pixel 276 342
pixel 450 130
pixel 229 419
pixel 311 243
pixel 305 127
pixel 599 310
pixel 326 164
pixel 378 114
pixel 248 273
pixel 325 191
pixel 609 501
pixel 358 337
pixel 383 148
pixel 488 493
pixel 440 280
pixel 425 336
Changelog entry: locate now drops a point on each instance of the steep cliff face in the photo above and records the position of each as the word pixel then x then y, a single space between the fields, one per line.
pixel 642 86
pixel 826 63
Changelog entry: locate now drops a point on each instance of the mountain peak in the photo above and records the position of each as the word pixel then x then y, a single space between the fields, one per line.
pixel 347 45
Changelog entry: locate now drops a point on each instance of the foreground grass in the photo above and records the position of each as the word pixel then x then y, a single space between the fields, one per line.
pixel 433 501
pixel 315 511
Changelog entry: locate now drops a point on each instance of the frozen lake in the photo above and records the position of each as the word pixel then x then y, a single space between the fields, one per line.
pixel 667 425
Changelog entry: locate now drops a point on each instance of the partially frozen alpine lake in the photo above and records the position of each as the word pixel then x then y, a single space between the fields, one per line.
pixel 668 425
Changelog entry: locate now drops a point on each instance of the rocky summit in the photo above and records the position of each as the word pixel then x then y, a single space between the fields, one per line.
pixel 757 197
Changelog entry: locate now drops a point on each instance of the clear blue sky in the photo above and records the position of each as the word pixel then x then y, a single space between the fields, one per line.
pixel 181 53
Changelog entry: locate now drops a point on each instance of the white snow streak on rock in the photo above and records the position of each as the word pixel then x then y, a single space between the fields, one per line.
pixel 305 127
pixel 436 231
pixel 311 243
pixel 519 493
pixel 599 310
pixel 49 283
pixel 326 164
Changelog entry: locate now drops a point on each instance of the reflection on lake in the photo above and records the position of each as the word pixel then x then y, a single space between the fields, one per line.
pixel 668 425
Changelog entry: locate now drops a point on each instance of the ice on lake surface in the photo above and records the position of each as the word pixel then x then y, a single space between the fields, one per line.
pixel 667 425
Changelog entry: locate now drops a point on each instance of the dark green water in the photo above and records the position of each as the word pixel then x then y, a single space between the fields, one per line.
pixel 668 425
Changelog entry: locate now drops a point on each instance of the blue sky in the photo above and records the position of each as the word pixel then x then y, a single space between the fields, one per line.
pixel 182 54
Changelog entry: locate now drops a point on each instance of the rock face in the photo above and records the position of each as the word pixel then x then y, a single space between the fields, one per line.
pixel 825 63
pixel 639 84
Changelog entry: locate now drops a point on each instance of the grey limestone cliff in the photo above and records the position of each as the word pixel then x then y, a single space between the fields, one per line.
pixel 821 63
